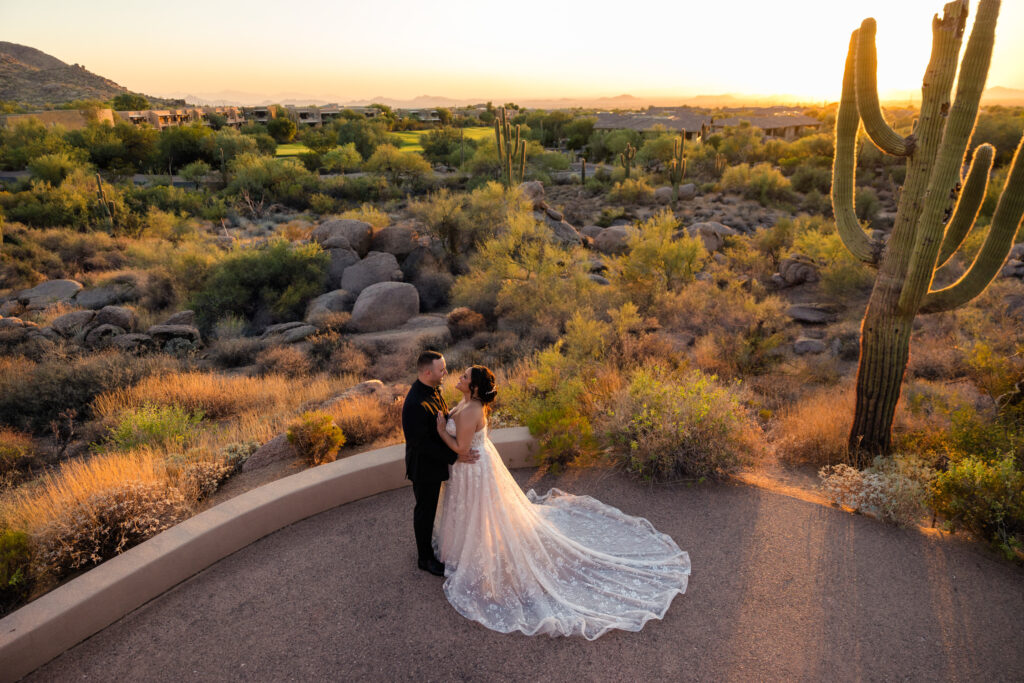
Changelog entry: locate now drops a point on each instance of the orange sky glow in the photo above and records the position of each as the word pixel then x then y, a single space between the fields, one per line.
pixel 347 51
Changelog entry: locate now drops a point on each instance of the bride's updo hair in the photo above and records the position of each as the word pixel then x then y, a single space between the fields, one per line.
pixel 481 385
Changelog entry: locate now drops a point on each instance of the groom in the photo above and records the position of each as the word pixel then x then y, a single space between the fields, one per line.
pixel 427 457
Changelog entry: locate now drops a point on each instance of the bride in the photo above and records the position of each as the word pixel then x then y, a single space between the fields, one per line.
pixel 558 564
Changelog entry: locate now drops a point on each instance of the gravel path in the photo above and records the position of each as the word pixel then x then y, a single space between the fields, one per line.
pixel 781 589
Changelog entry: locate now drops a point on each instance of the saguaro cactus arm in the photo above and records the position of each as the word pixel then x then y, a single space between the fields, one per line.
pixel 971 197
pixel 1005 224
pixel 946 172
pixel 844 165
pixel 878 130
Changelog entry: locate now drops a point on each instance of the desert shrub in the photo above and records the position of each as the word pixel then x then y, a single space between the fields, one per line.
pixel 347 359
pixel 34 394
pixel 262 285
pixel 322 204
pixel 464 323
pixel 811 178
pixel 53 168
pixel 315 436
pixel 760 182
pixel 893 489
pixel 444 217
pixel 365 419
pixel 631 191
pixel 398 167
pixel 656 261
pixel 341 159
pixel 282 360
pixel 369 213
pixel 556 397
pixel 984 497
pixel 866 203
pixel 16 450
pixel 266 180
pixel 522 276
pixel 815 429
pixel 151 425
pixel 667 425
pixel 15 567
pixel 201 479
pixel 106 524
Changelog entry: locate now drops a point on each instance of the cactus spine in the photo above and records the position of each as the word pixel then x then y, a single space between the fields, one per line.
pixel 677 165
pixel 921 239
pixel 511 150
pixel 626 158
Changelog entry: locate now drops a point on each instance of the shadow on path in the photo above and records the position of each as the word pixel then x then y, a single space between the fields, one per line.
pixel 781 589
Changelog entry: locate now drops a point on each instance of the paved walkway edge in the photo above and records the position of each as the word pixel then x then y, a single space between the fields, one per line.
pixel 58 620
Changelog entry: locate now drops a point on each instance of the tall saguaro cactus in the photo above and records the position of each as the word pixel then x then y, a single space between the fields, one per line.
pixel 511 150
pixel 677 165
pixel 626 158
pixel 921 239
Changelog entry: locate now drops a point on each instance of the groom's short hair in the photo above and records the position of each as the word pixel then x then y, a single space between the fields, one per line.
pixel 427 359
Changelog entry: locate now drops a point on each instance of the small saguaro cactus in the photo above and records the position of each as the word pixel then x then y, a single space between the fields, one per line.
pixel 511 150
pixel 922 240
pixel 677 165
pixel 626 158
pixel 583 171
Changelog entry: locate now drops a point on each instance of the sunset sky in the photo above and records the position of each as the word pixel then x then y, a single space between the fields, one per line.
pixel 345 51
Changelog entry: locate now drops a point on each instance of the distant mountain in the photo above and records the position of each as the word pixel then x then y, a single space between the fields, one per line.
pixel 33 78
pixel 1001 95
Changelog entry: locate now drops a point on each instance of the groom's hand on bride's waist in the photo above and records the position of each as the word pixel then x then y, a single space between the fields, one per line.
pixel 472 456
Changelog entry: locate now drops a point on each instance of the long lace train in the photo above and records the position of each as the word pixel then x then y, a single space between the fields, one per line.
pixel 559 564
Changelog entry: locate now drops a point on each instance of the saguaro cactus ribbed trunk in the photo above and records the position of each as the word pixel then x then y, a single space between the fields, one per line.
pixel 511 150
pixel 921 239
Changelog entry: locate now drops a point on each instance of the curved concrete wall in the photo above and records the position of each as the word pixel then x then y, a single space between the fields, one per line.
pixel 42 629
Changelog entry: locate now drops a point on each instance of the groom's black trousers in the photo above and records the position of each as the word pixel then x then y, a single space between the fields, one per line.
pixel 427 493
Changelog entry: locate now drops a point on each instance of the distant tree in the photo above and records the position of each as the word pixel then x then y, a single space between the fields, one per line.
pixel 54 168
pixel 282 129
pixel 397 166
pixel 320 140
pixel 578 131
pixel 444 145
pixel 184 144
pixel 195 172
pixel 341 159
pixel 487 117
pixel 366 135
pixel 217 121
pixel 444 116
pixel 28 140
pixel 228 143
pixel 129 101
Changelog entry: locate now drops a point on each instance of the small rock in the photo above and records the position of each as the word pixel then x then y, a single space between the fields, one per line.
pixel 377 267
pixel 533 190
pixel 338 301
pixel 663 195
pixel 162 334
pixel 812 314
pixel 274 450
pixel 181 318
pixel 554 214
pixel 804 346
pixel 70 324
pixel 133 342
pixel 116 315
pixel 798 269
pixel 687 192
pixel 599 279
pixel 358 234
pixel 385 306
pixel 399 240
pixel 340 260
pixel 109 295
pixel 49 292
pixel 281 328
pixel 591 231
pixel 99 335
pixel 614 240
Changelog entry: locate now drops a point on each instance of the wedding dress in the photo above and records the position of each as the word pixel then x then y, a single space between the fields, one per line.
pixel 558 564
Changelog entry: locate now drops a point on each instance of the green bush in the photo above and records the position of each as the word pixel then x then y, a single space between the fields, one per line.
pixel 631 191
pixel 866 203
pixel 808 178
pixel 265 180
pixel 152 425
pixel 657 261
pixel 16 450
pixel 315 436
pixel 984 497
pixel 53 168
pixel 265 285
pixel 34 394
pixel 15 567
pixel 668 425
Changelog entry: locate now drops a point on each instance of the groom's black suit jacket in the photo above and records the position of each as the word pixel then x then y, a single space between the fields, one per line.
pixel 427 456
